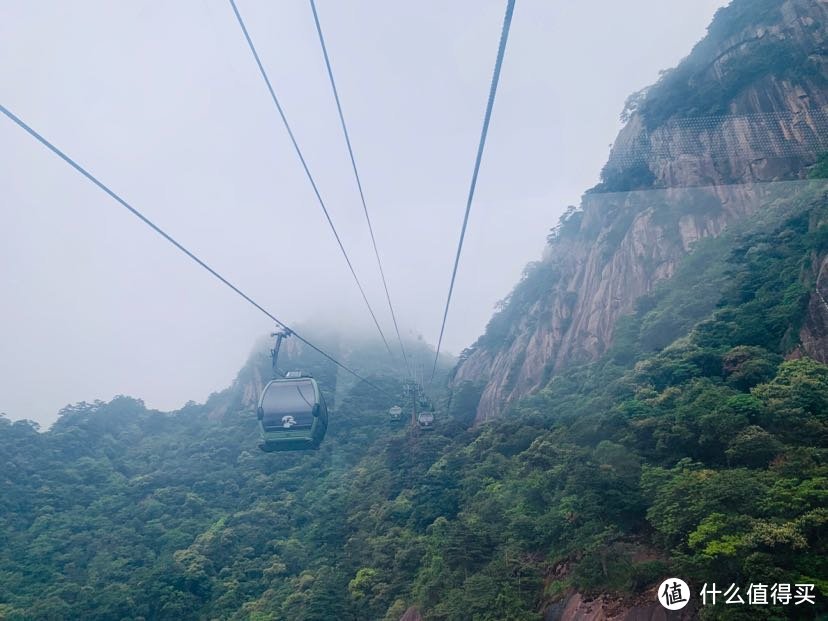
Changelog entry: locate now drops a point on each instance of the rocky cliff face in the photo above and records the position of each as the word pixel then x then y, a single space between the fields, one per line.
pixel 814 332
pixel 577 607
pixel 704 147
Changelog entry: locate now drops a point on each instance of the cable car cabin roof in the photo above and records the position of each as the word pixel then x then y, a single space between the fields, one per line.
pixel 292 414
pixel 425 418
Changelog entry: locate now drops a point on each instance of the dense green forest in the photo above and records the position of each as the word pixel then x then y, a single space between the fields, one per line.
pixel 697 447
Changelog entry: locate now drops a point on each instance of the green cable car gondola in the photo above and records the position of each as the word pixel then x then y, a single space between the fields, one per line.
pixel 395 414
pixel 426 421
pixel 292 412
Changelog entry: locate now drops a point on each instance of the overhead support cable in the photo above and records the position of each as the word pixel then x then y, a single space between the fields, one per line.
pixel 111 193
pixel 308 172
pixel 504 36
pixel 358 180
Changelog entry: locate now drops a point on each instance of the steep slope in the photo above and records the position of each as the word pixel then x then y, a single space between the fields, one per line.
pixel 749 106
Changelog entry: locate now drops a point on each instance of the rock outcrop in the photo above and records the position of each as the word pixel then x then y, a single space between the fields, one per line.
pixel 577 607
pixel 412 614
pixel 814 332
pixel 754 113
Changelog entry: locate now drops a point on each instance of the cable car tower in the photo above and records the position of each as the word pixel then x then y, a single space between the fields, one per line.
pixel 422 410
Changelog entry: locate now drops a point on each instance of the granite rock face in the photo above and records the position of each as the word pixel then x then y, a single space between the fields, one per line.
pixel 667 185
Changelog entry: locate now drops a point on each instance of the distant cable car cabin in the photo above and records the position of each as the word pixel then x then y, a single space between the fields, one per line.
pixel 395 414
pixel 423 407
pixel 426 421
pixel 292 412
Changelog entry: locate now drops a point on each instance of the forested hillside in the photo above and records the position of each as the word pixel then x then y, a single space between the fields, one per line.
pixel 696 447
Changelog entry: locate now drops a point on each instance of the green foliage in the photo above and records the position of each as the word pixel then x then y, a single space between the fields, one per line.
pixel 820 169
pixel 689 90
pixel 636 176
pixel 753 447
pixel 680 92
pixel 692 448
pixel 692 90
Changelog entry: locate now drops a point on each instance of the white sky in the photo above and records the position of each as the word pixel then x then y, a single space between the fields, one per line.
pixel 163 102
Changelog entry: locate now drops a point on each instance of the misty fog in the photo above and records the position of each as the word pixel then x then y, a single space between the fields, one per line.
pixel 163 102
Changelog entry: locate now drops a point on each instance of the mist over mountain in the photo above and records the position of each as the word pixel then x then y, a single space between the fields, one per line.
pixel 165 104
pixel 650 401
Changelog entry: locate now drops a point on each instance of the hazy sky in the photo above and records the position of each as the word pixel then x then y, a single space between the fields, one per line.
pixel 163 102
